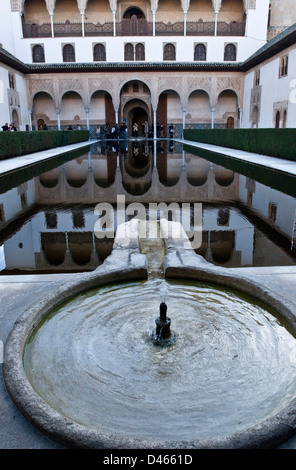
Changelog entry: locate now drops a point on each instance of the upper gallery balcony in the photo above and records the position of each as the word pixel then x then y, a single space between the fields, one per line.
pixel 77 18
pixel 134 27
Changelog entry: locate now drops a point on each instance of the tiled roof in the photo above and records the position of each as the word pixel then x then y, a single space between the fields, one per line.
pixel 277 44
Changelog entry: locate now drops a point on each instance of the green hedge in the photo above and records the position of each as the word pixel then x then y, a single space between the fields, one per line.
pixel 274 142
pixel 15 144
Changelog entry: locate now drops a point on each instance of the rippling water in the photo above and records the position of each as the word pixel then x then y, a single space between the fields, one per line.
pixel 232 366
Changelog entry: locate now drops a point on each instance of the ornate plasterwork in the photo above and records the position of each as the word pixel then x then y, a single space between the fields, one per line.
pixel 229 83
pixel 41 85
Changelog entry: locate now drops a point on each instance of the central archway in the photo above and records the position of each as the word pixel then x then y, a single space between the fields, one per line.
pixel 137 111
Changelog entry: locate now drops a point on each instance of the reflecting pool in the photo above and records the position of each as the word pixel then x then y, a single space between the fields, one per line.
pixel 48 216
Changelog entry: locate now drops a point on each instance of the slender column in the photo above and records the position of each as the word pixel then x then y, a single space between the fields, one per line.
pixel 154 123
pixel 116 116
pixel 216 22
pixel 114 23
pixel 59 119
pixel 246 25
pixel 184 117
pixel 21 25
pixel 213 118
pixel 153 22
pixel 185 18
pixel 154 155
pixel 30 119
pixel 51 24
pixel 87 118
pixel 239 123
pixel 82 22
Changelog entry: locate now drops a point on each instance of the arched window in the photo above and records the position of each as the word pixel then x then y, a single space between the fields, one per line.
pixel 169 52
pixel 230 52
pixel 283 66
pixel 68 53
pixel 140 52
pixel 38 53
pixel 99 52
pixel 200 52
pixel 128 52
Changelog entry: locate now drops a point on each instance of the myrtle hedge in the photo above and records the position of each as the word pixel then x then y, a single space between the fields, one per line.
pixel 15 144
pixel 279 143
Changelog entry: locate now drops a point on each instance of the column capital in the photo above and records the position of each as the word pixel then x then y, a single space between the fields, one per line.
pixel 217 5
pixel 113 5
pixel 50 5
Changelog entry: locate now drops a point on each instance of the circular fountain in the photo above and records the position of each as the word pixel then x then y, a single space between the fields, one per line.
pixel 87 366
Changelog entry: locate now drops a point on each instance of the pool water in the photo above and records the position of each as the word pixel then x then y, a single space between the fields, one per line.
pixel 48 213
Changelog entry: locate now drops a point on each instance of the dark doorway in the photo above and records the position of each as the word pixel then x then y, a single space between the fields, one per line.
pixel 138 115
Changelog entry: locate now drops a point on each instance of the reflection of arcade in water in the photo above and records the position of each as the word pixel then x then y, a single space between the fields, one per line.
pixel 47 224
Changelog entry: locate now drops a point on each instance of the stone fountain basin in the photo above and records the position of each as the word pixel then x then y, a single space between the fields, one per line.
pixel 126 264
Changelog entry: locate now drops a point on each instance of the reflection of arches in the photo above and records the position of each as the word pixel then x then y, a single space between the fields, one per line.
pixel 222 245
pixel 80 246
pixel 50 178
pixel 54 247
pixel 197 171
pixel 223 176
pixel 76 172
pixel 104 247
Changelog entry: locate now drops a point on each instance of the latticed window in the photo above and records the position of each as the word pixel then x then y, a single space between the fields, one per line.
pixel 283 66
pixel 140 52
pixel 128 52
pixel 230 52
pixel 68 53
pixel 38 53
pixel 99 52
pixel 169 52
pixel 200 52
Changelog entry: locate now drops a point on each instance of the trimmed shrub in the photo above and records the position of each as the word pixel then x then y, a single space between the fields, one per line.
pixel 16 144
pixel 273 142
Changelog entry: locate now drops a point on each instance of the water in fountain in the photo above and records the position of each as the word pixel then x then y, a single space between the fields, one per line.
pixel 232 366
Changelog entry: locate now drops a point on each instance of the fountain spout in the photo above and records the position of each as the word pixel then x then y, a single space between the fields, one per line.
pixel 163 335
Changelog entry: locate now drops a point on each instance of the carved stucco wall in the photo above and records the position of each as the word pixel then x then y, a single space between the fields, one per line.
pixel 180 82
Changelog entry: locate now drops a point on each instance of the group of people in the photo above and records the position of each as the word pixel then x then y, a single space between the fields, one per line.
pixel 115 132
pixel 11 127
